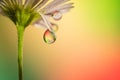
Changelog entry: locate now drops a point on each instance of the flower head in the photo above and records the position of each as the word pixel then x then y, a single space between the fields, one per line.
pixel 37 12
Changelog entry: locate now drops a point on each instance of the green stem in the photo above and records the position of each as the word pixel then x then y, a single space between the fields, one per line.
pixel 20 30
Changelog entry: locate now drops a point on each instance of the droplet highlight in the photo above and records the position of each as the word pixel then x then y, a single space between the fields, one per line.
pixel 57 15
pixel 54 27
pixel 49 37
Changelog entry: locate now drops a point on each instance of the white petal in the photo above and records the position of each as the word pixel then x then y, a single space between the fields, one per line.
pixel 58 8
pixel 47 23
pixel 55 3
pixel 40 24
pixel 42 3
pixel 30 3
pixel 57 15
pixel 51 3
pixel 65 10
pixel 59 3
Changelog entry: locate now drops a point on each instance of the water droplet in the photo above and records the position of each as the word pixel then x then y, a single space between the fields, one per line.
pixel 57 15
pixel 49 37
pixel 54 27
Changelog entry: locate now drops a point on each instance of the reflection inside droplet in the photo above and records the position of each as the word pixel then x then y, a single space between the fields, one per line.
pixel 49 37
pixel 54 27
pixel 57 15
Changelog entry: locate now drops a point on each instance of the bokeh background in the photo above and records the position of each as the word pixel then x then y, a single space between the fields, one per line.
pixel 87 46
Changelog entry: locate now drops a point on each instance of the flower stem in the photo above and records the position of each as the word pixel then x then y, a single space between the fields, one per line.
pixel 20 31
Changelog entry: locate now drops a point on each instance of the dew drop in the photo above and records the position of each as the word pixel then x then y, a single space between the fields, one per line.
pixel 57 15
pixel 49 37
pixel 54 27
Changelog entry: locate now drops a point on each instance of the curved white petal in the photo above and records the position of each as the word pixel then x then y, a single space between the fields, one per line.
pixel 42 4
pixel 61 12
pixel 47 23
pixel 40 24
pixel 58 8
pixel 65 10
pixel 55 3
pixel 31 3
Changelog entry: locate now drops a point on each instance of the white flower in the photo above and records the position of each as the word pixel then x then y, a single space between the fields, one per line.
pixel 37 12
pixel 14 8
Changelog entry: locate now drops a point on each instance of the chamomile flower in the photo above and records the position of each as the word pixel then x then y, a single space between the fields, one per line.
pixel 35 12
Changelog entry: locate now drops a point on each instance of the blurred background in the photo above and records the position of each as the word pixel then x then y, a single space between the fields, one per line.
pixel 87 45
